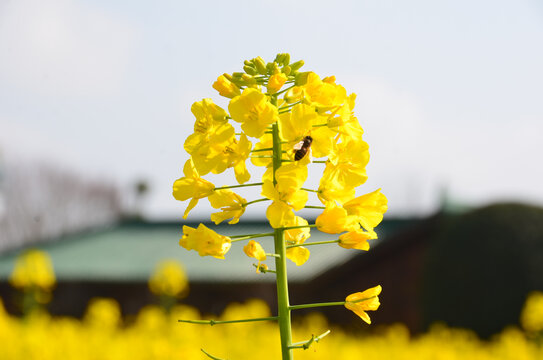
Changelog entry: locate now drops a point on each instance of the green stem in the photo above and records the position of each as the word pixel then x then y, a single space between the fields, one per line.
pixel 334 303
pixel 218 322
pixel 264 149
pixel 282 91
pixel 290 105
pixel 299 227
pixel 250 236
pixel 306 306
pixel 320 125
pixel 306 344
pixel 309 190
pixel 320 161
pixel 314 243
pixel 255 201
pixel 237 186
pixel 210 356
pixel 262 157
pixel 283 310
pixel 314 207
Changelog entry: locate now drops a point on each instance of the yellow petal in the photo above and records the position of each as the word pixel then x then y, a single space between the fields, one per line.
pixel 279 214
pixel 298 254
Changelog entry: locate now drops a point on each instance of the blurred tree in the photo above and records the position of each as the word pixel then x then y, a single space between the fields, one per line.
pixel 481 266
pixel 44 202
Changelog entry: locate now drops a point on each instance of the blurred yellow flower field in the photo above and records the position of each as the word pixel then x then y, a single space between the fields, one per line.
pixel 153 334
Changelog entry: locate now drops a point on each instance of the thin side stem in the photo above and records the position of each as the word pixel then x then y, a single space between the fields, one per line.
pixel 306 306
pixel 316 191
pixel 257 200
pixel 313 243
pixel 219 322
pixel 314 207
pixel 235 238
pixel 299 227
pixel 237 186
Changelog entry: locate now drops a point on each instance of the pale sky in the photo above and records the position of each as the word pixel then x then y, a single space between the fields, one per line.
pixel 450 93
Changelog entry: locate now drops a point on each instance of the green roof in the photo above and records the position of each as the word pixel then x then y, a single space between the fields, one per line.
pixel 129 252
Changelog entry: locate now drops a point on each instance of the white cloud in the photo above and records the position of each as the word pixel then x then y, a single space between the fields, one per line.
pixel 63 47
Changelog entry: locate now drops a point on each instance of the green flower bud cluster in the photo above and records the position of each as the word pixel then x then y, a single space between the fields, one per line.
pixel 257 71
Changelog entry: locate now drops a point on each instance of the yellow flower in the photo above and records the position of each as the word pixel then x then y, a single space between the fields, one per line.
pixel 276 82
pixel 207 115
pixel 191 186
pixel 361 302
pixel 294 126
pixel 210 149
pixel 253 110
pixel 334 192
pixel 205 241
pixel 298 254
pixel 290 178
pixel 323 94
pixel 279 214
pixel 335 220
pixel 239 152
pixel 346 168
pixel 168 279
pixel 356 240
pixel 265 142
pixel 231 204
pixel 254 249
pixel 225 87
pixel 531 316
pixel 33 269
pixel 368 209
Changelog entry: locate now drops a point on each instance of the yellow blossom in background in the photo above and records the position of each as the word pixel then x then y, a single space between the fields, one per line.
pixel 205 241
pixel 361 302
pixel 225 87
pixel 191 186
pixel 253 111
pixel 33 269
pixel 103 313
pixel 168 279
pixel 231 204
pixel 531 317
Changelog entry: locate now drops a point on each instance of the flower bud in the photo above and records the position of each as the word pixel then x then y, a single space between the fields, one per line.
pixel 286 59
pixel 279 58
pixel 295 66
pixel 226 87
pixel 248 79
pixel 260 65
pixel 286 70
pixel 250 70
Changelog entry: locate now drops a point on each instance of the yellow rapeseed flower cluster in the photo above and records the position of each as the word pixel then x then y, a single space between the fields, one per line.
pixel 315 119
pixel 282 119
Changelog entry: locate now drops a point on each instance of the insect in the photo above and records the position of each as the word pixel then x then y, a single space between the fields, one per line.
pixel 302 148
